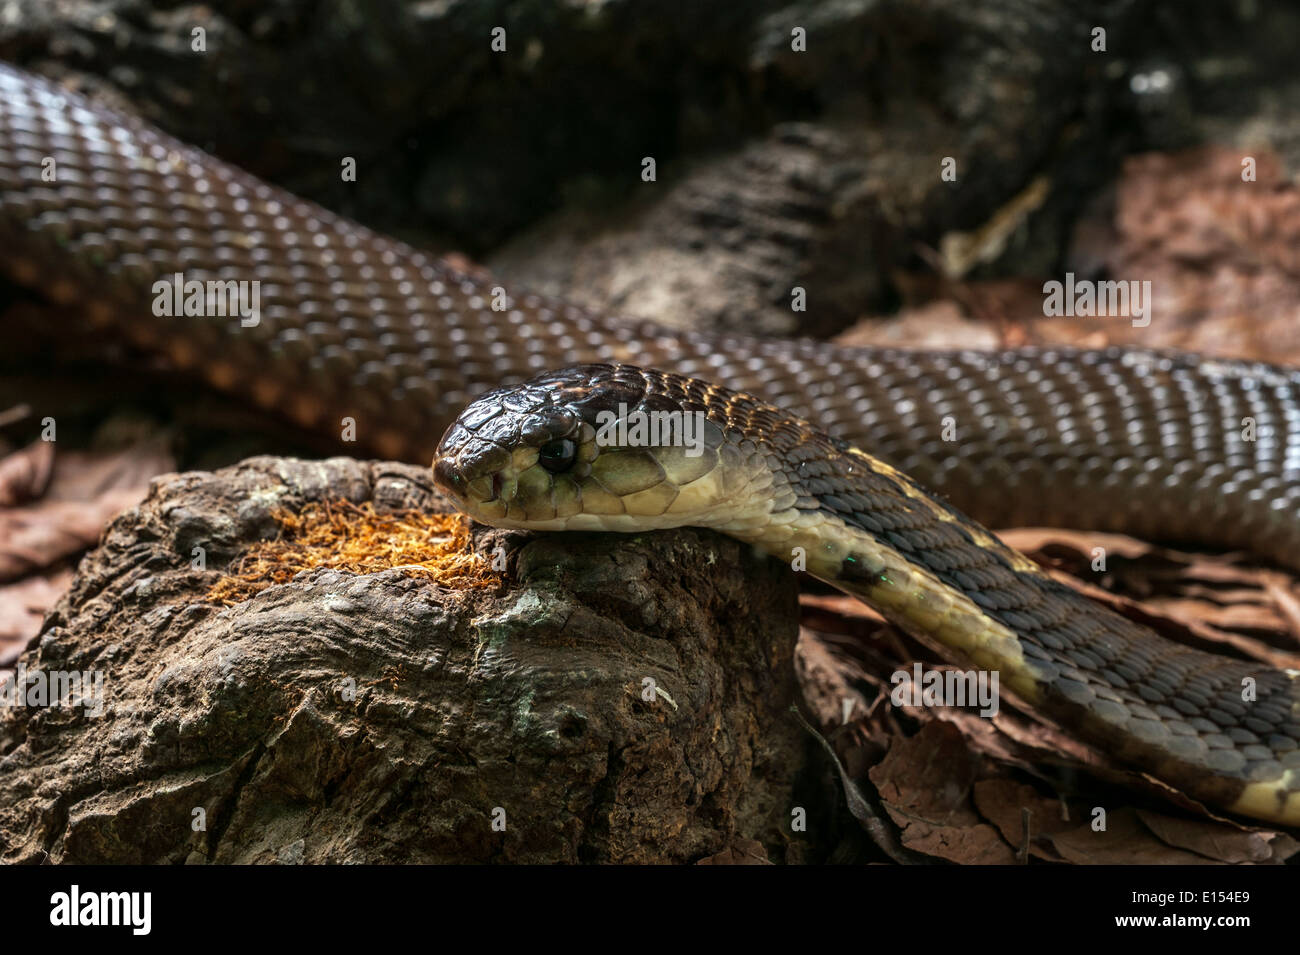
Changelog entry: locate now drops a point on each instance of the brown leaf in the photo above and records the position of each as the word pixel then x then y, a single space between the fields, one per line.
pixel 825 683
pixel 740 852
pixel 1011 806
pixel 22 607
pixel 25 474
pixel 1284 598
pixel 38 536
pixel 925 784
pixel 1212 840
pixel 86 490
pixel 1124 841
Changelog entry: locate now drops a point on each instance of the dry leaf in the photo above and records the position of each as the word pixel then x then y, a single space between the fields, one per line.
pixel 740 852
pixel 25 474
pixel 1211 840
pixel 1124 841
pixel 85 491
pixel 22 607
pixel 925 784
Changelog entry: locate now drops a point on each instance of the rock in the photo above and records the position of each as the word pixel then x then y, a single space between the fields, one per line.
pixel 384 717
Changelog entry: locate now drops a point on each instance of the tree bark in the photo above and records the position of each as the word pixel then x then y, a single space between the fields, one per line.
pixel 228 734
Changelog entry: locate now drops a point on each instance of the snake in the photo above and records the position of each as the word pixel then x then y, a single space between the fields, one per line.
pixel 363 338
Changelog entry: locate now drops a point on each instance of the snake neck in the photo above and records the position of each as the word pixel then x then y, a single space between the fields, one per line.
pixel 1227 731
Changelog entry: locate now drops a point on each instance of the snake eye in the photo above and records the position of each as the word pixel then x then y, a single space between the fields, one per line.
pixel 557 456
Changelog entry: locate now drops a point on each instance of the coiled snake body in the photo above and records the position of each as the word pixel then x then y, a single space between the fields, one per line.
pixel 355 324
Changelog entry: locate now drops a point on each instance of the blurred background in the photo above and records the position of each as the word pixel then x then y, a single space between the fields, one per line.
pixel 1114 153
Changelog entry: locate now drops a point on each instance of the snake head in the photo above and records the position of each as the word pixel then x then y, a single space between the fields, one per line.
pixel 593 447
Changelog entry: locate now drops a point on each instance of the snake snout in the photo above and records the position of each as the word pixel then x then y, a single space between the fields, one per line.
pixel 447 477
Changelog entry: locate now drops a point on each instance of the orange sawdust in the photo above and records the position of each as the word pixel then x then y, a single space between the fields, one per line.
pixel 358 539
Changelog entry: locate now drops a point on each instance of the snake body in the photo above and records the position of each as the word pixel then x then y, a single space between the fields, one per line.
pixel 96 206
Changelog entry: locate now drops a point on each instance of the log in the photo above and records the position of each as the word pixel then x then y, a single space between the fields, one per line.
pixel 387 717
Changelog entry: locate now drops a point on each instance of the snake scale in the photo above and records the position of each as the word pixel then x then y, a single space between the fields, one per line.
pixel 96 206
